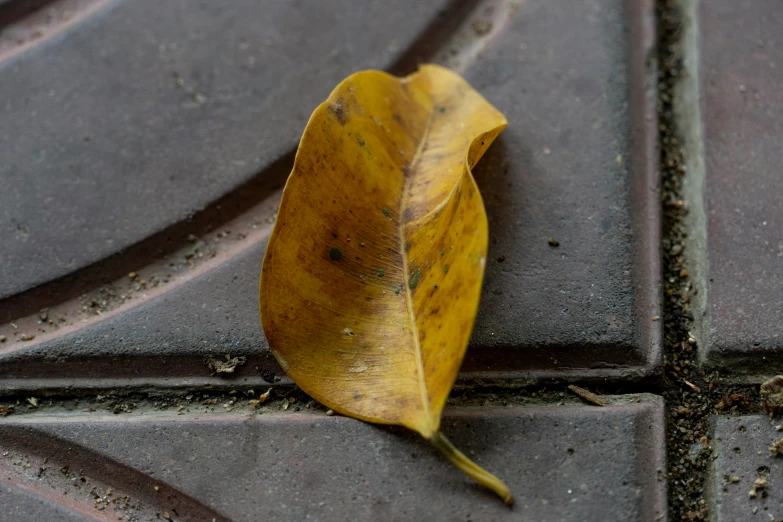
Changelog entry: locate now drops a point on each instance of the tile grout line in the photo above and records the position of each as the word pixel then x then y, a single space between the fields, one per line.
pixel 693 394
pixel 681 480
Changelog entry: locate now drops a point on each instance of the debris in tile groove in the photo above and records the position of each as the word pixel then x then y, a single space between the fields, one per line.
pixel 261 398
pixel 220 366
pixel 213 401
pixel 772 395
pixel 691 395
pixel 588 396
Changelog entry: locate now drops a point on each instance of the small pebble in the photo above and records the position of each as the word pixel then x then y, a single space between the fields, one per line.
pixel 482 27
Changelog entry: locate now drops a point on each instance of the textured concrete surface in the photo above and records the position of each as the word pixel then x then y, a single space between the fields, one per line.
pixel 580 463
pixel 128 122
pixel 742 457
pixel 742 103
pixel 19 504
pixel 162 341
pixel 142 146
pixel 577 164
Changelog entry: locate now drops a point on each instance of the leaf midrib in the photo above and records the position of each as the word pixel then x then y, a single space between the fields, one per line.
pixel 406 282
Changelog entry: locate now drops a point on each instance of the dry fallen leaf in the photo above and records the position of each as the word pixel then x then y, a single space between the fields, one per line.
pixel 373 272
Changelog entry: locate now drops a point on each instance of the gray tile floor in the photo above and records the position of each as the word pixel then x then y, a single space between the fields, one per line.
pixel 144 146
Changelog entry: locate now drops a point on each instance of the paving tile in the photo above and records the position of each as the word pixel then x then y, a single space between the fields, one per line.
pixel 563 462
pixel 161 342
pixel 21 505
pixel 738 215
pixel 742 456
pixel 576 164
pixel 126 123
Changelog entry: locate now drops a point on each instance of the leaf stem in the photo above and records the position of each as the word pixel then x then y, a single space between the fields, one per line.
pixel 471 469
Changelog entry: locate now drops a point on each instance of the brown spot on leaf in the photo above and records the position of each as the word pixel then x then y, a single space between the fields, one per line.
pixel 339 110
pixel 413 281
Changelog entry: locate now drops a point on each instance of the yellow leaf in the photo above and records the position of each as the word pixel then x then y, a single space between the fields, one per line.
pixel 373 272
